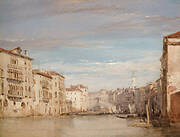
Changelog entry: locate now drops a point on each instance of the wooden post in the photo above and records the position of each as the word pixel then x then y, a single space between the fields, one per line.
pixel 147 111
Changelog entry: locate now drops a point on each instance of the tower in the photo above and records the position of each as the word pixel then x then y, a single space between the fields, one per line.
pixel 133 81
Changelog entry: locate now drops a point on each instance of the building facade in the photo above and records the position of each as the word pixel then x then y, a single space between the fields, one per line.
pixel 78 95
pixel 60 105
pixel 15 82
pixel 102 101
pixel 49 89
pixel 151 93
pixel 170 73
pixel 42 89
pixel 27 92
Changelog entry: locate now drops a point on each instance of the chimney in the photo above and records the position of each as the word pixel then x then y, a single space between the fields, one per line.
pixel 17 50
pixel 26 53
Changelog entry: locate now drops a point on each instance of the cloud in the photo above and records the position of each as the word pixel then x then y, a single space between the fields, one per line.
pixel 58 22
pixel 109 74
pixel 45 44
pixel 28 9
pixel 141 26
pixel 91 41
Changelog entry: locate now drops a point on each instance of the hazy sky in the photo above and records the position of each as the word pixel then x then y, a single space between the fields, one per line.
pixel 98 43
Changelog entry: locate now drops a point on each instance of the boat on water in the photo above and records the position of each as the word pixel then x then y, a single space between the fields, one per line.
pixel 126 115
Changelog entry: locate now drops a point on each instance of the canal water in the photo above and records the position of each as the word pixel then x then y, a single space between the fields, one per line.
pixel 79 126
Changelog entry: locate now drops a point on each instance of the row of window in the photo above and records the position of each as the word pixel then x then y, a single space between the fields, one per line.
pixel 15 62
pixel 44 83
pixel 46 94
pixel 15 75
pixel 15 87
pixel 28 88
pixel 15 90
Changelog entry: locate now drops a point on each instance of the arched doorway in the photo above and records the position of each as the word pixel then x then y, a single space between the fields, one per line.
pixel 23 105
pixel 5 103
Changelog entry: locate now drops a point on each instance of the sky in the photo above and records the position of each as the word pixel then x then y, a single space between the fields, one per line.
pixel 98 43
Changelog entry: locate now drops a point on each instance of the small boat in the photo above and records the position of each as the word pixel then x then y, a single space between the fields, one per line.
pixel 122 115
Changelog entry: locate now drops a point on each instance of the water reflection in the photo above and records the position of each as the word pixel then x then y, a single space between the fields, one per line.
pixel 86 126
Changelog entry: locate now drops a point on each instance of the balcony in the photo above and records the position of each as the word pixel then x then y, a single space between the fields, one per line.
pixel 19 80
pixel 15 75
pixel 14 66
pixel 18 93
pixel 14 97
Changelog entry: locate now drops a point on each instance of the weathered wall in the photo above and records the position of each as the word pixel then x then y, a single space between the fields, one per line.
pixel 173 81
pixel 17 83
pixel 175 107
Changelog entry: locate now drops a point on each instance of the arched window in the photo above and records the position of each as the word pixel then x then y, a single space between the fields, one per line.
pixel 5 103
pixel 23 105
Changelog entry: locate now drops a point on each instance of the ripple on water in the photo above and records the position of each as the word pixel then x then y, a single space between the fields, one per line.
pixel 84 126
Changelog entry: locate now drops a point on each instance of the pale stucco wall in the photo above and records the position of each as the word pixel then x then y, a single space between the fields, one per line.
pixel 173 74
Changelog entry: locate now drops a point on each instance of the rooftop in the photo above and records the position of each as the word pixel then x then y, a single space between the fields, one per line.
pixel 174 35
pixel 78 87
pixel 11 52
pixel 73 90
pixel 36 71
pixel 55 73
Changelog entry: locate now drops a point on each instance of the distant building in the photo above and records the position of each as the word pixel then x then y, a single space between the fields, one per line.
pixel 78 95
pixel 100 101
pixel 126 101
